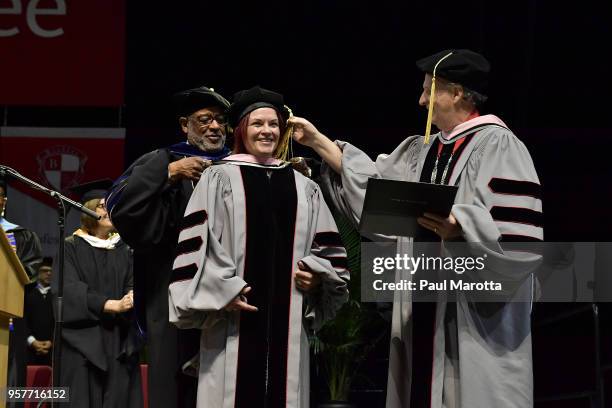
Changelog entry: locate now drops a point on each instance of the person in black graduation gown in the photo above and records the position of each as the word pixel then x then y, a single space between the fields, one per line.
pixel 26 243
pixel 28 249
pixel 100 347
pixel 147 204
pixel 38 314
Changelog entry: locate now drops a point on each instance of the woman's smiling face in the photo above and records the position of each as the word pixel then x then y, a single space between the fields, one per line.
pixel 263 133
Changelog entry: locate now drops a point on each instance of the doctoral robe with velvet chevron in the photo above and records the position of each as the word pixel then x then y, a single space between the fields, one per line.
pixel 480 353
pixel 250 224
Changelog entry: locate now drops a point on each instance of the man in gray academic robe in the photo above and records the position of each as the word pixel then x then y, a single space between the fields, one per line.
pixel 481 351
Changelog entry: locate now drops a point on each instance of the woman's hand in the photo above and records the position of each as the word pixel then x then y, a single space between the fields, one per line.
pixel 306 280
pixel 240 302
pixel 41 347
pixel 122 305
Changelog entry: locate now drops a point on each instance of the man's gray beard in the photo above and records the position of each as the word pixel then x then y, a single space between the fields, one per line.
pixel 208 147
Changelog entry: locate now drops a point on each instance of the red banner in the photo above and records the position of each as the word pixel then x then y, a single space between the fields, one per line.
pixel 58 158
pixel 62 52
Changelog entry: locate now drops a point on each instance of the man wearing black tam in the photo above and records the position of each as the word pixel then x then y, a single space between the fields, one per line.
pixel 455 352
pixel 146 205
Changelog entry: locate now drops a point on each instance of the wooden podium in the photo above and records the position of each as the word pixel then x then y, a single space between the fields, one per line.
pixel 12 281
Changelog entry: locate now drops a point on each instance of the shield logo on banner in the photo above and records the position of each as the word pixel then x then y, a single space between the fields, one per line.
pixel 61 167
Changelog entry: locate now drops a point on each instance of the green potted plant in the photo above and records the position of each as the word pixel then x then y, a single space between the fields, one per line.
pixel 342 344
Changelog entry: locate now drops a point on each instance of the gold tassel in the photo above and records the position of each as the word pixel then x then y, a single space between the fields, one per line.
pixel 285 145
pixel 432 97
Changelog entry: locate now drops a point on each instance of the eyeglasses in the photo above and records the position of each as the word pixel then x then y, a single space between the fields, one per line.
pixel 207 120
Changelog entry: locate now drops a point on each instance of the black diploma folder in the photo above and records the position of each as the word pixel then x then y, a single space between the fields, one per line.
pixel 391 207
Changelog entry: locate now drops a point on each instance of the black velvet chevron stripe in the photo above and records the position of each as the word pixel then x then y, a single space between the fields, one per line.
pixel 184 273
pixel 193 219
pixel 515 187
pixel 337 261
pixel 518 238
pixel 518 215
pixel 327 239
pixel 534 247
pixel 189 245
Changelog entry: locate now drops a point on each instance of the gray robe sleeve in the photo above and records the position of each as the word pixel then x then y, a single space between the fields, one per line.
pixel 500 155
pixel 328 259
pixel 195 301
pixel 347 190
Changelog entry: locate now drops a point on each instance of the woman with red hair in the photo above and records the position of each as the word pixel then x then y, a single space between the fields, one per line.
pixel 255 228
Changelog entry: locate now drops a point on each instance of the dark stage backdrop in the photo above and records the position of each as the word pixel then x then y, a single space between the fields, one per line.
pixel 348 66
